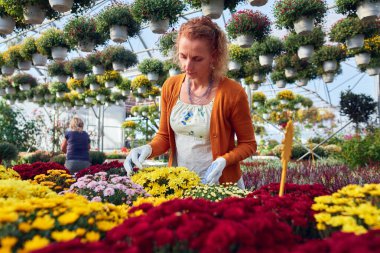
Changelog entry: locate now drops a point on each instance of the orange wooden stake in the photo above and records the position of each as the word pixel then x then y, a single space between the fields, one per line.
pixel 286 154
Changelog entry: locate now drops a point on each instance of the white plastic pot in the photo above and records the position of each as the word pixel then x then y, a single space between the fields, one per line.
pixel 7 24
pixel 33 14
pixel 79 76
pixel 330 66
pixel 98 69
pixel 39 59
pixel 159 26
pixel 59 53
pixel 255 86
pixel 109 84
pixel 373 71
pixel 355 42
pixel 257 2
pixel 304 25
pixel 24 87
pixel 79 90
pixel 328 77
pixel 61 78
pixel 7 71
pixel 280 83
pixel 24 65
pixel 244 41
pixel 362 58
pixel 256 104
pixel 141 90
pixel 60 94
pixel 290 72
pixel 302 82
pixel 266 60
pixel 118 66
pixel 153 77
pixel 305 52
pixel 258 77
pixel 234 65
pixel 174 72
pixel 78 102
pixel 86 46
pixel 61 5
pixel 89 100
pixel 368 11
pixel 213 9
pixel 118 33
pixel 94 86
pixel 10 90
pixel 100 97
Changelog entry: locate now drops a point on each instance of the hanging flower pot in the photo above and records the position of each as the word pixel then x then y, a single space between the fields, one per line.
pixel 256 104
pixel 39 59
pixel 258 77
pixel 89 100
pixel 244 41
pixel 330 66
pixel 373 71
pixel 60 94
pixel 159 26
pixel 213 9
pixel 98 69
pixel 280 83
pixel 328 77
pixel 10 90
pixel 59 53
pixel 79 76
pixel 255 86
pixel 86 106
pixel 100 97
pixel 7 71
pixel 153 77
pixel 24 87
pixel 266 60
pixel 290 72
pixel 234 65
pixel 118 33
pixel 355 42
pixel 109 84
pixel 257 3
pixel 362 58
pixel 79 90
pixel 368 10
pixel 125 92
pixel 86 46
pixel 117 66
pixel 7 24
pixel 305 52
pixel 33 14
pixel 302 82
pixel 174 72
pixel 24 65
pixel 141 90
pixel 61 5
pixel 304 25
pixel 78 102
pixel 61 78
pixel 94 86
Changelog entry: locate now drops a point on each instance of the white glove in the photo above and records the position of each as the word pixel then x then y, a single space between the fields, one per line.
pixel 137 156
pixel 214 172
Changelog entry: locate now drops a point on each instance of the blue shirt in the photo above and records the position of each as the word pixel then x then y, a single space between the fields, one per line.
pixel 77 145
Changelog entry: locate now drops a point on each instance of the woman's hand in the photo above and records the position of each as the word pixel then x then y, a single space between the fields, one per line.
pixel 137 156
pixel 214 172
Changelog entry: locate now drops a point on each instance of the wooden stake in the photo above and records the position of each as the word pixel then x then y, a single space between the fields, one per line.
pixel 286 154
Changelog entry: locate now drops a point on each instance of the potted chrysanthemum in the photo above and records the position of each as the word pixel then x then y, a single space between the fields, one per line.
pixel 110 78
pixel 93 82
pixel 372 68
pixel 29 51
pixel 102 94
pixel 299 14
pixel 58 88
pixel 267 49
pixel 247 26
pixel 9 60
pixel 53 43
pixel 124 86
pixel 256 70
pixel 7 22
pixel 370 49
pixel 328 57
pixel 305 73
pixel 58 71
pixel 159 13
pixel 24 81
pixel 76 85
pixel 289 63
pixel 258 98
pixel 213 8
pixel 366 10
pixel 119 57
pixel 140 84
pixel 116 21
pixel 23 61
pixel 166 43
pixel 237 56
pixel 171 67
pixel 97 61
pixel 278 77
pixel 79 67
pixel 153 68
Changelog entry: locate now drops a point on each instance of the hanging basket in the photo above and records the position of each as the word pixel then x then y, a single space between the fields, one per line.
pixel 61 78
pixel 79 76
pixel 34 14
pixel 24 87
pixel 304 25
pixel 7 24
pixel 174 72
pixel 305 52
pixel 61 5
pixel 234 65
pixel 373 71
pixel 266 60
pixel 100 97
pixel 109 84
pixel 280 84
pixel 355 42
pixel 118 33
pixel 86 46
pixel 212 9
pixel 302 82
pixel 159 26
pixel 79 90
pixel 10 90
pixel 244 41
pixel 94 86
pixel 290 72
pixel 330 66
pixel 258 3
pixel 368 11
pixel 59 53
pixel 24 65
pixel 153 77
pixel 7 71
pixel 39 59
pixel 362 58
pixel 258 77
pixel 98 69
pixel 60 94
pixel 141 90
pixel 118 66
pixel 89 100
pixel 328 77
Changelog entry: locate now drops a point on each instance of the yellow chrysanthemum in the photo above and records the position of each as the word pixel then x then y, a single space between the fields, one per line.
pixel 36 243
pixel 92 236
pixel 63 236
pixel 68 218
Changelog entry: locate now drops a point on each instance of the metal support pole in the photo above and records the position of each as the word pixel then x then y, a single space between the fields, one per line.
pixel 99 129
pixel 377 84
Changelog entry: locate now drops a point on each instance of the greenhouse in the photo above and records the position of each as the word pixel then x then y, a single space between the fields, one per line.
pixel 125 126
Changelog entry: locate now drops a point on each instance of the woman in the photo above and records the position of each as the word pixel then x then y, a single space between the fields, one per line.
pixel 202 110
pixel 76 145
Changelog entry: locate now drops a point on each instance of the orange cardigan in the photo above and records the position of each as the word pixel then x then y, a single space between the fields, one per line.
pixel 230 114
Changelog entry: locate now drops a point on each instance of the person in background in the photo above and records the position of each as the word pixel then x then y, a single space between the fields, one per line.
pixel 76 145
pixel 202 110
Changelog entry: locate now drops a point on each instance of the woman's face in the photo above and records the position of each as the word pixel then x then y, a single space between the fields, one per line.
pixel 195 57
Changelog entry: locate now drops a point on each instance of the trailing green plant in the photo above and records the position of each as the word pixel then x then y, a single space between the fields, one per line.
pixel 169 64
pixel 147 10
pixel 328 53
pixel 119 54
pixel 228 4
pixel 347 28
pixel 57 69
pixel 8 152
pixel 91 79
pixel 151 65
pixel 308 71
pixel 77 65
pixel 286 12
pixel 278 75
pixel 24 78
pixel 97 157
pixel 51 38
pixel 293 41
pixel 253 66
pixel 349 7
pixel 166 42
pixel 140 81
pixel 117 14
pixel 248 22
pixel 268 46
pixel 373 63
pixel 239 54
pixel 124 85
pixel 97 58
pixel 287 61
pixel 116 96
pixel 83 30
pixel 28 48
pixel 55 87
